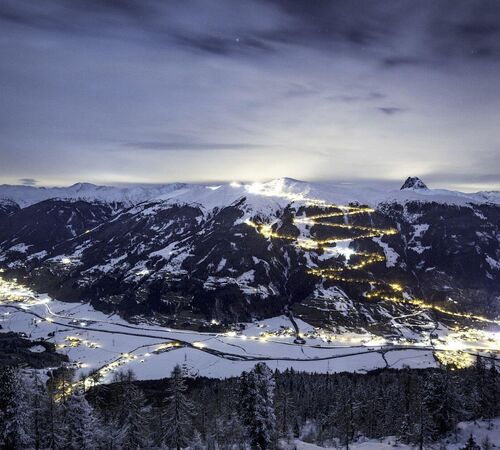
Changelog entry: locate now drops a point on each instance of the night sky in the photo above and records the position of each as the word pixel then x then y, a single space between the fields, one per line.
pixel 150 91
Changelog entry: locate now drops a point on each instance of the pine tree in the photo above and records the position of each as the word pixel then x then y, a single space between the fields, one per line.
pixel 486 444
pixel 178 411
pixel 80 422
pixel 132 415
pixel 492 401
pixel 110 434
pixel 344 414
pixel 422 427
pixel 257 408
pixel 16 422
pixel 443 401
pixel 285 410
pixel 196 441
pixel 39 406
pixel 471 444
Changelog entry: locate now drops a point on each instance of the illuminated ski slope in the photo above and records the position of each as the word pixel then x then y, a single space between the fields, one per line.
pixel 351 272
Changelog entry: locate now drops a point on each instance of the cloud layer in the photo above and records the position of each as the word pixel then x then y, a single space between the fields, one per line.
pixel 152 91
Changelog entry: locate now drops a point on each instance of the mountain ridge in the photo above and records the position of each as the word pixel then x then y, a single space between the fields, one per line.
pixel 217 195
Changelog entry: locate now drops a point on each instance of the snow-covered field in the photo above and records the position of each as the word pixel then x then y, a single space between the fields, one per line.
pixel 105 344
pixel 93 340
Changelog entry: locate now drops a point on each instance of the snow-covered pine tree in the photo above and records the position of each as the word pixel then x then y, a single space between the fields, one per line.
pixel 492 405
pixel 421 427
pixel 443 401
pixel 196 441
pixel 285 409
pixel 81 422
pixel 344 413
pixel 16 419
pixel 257 406
pixel 132 414
pixel 109 434
pixel 487 444
pixel 39 406
pixel 235 432
pixel 178 412
pixel 471 444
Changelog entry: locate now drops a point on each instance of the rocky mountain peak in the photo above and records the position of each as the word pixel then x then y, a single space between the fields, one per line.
pixel 414 183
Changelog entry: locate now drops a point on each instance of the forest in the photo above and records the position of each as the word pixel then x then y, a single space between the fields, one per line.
pixel 260 409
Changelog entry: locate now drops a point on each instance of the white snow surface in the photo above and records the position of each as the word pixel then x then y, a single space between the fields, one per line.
pixel 391 256
pixel 260 197
pixel 29 195
pixel 106 339
pixel 480 429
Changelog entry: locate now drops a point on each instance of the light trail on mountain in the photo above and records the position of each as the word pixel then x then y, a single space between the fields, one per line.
pixel 382 290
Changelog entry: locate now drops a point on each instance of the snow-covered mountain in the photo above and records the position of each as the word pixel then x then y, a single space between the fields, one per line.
pixel 342 255
pixel 281 190
pixel 29 195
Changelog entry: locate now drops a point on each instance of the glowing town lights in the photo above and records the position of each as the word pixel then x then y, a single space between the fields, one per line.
pixel 163 347
pixel 199 345
pixel 396 287
pixel 454 359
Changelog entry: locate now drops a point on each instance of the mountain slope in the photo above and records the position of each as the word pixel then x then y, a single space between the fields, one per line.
pixel 193 253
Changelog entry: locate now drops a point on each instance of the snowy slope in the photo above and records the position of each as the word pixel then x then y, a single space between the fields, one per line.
pixel 287 190
pixel 29 195
pixel 261 197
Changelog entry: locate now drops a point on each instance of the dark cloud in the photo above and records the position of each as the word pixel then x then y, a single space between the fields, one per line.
pixel 399 61
pixel 28 181
pixel 222 45
pixel 390 110
pixel 346 98
pixel 441 29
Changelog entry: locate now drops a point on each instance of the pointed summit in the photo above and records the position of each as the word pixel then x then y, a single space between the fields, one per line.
pixel 414 183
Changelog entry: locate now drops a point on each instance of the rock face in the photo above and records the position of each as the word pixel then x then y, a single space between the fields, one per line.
pixel 188 262
pixel 7 207
pixel 414 183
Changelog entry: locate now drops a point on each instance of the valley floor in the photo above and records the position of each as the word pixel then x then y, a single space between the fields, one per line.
pixel 102 345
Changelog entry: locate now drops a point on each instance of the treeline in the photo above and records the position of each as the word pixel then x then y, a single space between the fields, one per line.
pixel 259 410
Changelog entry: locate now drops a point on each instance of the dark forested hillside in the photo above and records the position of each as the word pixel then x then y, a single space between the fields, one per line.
pixel 260 409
